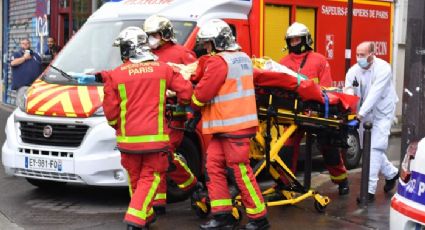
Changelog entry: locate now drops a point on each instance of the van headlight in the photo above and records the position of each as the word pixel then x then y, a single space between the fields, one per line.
pixel 99 112
pixel 21 98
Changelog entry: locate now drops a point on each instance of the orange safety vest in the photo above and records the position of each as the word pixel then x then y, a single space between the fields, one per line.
pixel 233 108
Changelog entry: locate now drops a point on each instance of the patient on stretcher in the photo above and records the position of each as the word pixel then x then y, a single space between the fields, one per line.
pixel 272 78
pixel 285 85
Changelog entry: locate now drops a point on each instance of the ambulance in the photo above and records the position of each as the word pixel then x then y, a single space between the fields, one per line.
pixel 58 134
pixel 408 204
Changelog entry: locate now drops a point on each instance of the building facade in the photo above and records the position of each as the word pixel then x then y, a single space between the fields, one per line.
pixel 37 20
pixel 1 43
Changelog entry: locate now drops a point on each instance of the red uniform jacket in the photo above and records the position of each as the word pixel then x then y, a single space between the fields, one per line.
pixel 175 53
pixel 134 104
pixel 316 66
pixel 212 73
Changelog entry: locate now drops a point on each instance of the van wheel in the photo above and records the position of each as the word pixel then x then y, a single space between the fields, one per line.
pixel 46 184
pixel 353 153
pixel 189 154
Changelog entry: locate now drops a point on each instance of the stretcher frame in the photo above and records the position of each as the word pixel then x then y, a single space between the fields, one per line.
pixel 270 161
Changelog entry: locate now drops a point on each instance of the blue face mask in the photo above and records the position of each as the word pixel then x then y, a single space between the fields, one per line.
pixel 362 62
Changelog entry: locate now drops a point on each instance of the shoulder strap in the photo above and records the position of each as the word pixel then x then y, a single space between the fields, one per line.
pixel 303 62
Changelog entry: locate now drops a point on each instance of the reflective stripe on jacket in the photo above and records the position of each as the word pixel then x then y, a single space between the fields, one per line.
pixel 233 108
pixel 134 104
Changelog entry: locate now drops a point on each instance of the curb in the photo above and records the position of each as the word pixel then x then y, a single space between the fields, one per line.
pixel 5 224
pixel 396 131
pixel 7 107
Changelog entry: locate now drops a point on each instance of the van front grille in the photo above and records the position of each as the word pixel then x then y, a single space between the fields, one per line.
pixel 47 153
pixel 68 177
pixel 60 134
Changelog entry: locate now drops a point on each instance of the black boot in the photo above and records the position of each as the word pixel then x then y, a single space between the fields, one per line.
pixel 221 222
pixel 258 224
pixel 198 188
pixel 370 198
pixel 390 184
pixel 343 188
pixel 159 210
pixel 132 227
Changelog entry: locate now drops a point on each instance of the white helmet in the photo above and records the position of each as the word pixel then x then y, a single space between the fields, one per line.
pixel 133 45
pixel 299 30
pixel 219 32
pixel 161 25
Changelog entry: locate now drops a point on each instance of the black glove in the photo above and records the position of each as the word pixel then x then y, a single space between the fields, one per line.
pixel 191 123
pixel 98 77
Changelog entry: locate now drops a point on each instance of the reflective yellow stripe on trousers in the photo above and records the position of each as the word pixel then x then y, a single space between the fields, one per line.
pixel 161 196
pixel 340 177
pixel 144 213
pixel 192 177
pixel 223 202
pixel 259 206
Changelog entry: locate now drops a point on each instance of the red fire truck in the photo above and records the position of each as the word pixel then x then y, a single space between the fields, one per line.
pixel 327 21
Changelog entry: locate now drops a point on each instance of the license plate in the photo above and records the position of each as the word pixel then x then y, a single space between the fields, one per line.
pixel 43 164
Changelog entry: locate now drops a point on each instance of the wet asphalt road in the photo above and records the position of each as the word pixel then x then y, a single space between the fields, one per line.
pixel 83 207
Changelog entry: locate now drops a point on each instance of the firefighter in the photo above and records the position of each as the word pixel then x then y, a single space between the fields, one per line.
pixel 164 45
pixel 163 42
pixel 134 106
pixel 226 83
pixel 302 59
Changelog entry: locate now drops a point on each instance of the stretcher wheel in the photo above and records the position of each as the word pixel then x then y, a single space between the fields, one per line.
pixel 200 204
pixel 319 208
pixel 202 210
pixel 237 213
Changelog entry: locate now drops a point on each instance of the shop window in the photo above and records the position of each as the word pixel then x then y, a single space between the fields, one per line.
pixel 64 3
pixel 66 34
pixel 81 10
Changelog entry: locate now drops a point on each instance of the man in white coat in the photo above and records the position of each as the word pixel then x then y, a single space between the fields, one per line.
pixel 371 80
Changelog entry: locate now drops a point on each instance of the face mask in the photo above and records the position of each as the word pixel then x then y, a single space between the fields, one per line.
pixel 297 49
pixel 362 61
pixel 153 42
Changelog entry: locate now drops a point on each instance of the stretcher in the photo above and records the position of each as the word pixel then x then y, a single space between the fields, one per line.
pixel 281 113
pixel 287 102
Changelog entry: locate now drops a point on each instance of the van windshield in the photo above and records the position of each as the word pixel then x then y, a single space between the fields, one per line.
pixel 91 50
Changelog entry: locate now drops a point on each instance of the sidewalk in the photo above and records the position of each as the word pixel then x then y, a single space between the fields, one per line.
pixel 5 224
pixel 374 216
pixel 7 107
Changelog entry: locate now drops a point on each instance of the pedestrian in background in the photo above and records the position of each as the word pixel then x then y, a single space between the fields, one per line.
pixel 371 79
pixel 52 48
pixel 134 105
pixel 26 65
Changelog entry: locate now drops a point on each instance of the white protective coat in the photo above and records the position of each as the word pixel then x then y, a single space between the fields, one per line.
pixel 377 104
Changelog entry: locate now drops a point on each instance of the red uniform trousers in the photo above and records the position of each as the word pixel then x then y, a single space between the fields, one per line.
pixel 145 172
pixel 331 156
pixel 233 153
pixel 180 173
